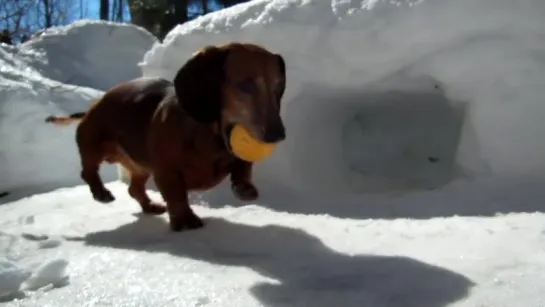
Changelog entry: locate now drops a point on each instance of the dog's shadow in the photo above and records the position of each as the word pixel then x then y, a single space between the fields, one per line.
pixel 310 273
pixel 462 198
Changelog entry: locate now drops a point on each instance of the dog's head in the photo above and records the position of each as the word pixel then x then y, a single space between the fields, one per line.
pixel 235 84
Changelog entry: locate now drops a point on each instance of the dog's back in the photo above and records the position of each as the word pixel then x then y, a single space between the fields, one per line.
pixel 129 104
pixel 122 117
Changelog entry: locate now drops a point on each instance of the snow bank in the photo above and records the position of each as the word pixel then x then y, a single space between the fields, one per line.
pixel 35 156
pixel 387 95
pixel 91 53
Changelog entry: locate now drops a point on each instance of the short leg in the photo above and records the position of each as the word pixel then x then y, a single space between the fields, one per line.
pixel 172 187
pixel 89 173
pixel 91 150
pixel 137 190
pixel 241 181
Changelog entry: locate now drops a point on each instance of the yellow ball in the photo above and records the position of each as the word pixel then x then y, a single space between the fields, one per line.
pixel 247 147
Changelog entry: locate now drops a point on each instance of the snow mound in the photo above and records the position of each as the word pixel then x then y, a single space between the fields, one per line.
pixel 90 53
pixel 52 273
pixel 60 71
pixel 35 156
pixel 391 95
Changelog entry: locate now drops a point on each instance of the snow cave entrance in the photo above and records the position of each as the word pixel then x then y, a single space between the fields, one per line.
pixel 375 140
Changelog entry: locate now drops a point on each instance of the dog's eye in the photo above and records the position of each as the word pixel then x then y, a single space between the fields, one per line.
pixel 247 86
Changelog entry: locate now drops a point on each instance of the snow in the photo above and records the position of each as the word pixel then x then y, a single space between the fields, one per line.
pixel 254 256
pixel 51 273
pixel 11 278
pixel 391 77
pixel 89 57
pixel 412 175
pixel 38 157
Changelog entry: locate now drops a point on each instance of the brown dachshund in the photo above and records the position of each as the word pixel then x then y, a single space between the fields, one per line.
pixel 178 131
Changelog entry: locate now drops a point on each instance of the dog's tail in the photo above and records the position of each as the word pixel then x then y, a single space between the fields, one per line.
pixel 65 120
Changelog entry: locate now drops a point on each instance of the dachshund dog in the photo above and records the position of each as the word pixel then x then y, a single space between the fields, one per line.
pixel 178 131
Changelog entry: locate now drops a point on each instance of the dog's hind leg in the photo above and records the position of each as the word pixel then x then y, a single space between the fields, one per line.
pixel 90 174
pixel 92 154
pixel 137 190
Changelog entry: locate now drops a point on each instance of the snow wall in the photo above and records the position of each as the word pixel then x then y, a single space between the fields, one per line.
pixel 38 157
pixel 390 95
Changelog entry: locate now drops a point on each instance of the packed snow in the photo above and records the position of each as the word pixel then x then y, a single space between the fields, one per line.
pixel 412 175
pixel 254 256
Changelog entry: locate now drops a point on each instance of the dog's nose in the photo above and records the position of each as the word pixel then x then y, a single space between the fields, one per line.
pixel 275 133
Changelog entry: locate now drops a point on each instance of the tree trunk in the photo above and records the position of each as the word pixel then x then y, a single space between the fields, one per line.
pixel 119 15
pixel 177 14
pixel 180 12
pixel 47 14
pixel 104 9
pixel 114 10
pixel 204 4
pixel 148 15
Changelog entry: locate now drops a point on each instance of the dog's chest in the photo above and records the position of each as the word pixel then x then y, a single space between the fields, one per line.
pixel 206 171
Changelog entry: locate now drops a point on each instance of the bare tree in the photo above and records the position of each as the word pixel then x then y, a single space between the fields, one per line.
pixel 21 18
pixel 118 7
pixel 120 12
pixel 13 13
pixel 55 12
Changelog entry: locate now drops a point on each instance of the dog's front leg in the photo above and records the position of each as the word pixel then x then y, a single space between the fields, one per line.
pixel 241 181
pixel 171 184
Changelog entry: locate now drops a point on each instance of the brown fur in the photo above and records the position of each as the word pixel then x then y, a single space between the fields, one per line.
pixel 177 131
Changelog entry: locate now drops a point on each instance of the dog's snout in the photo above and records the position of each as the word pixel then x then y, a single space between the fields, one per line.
pixel 274 133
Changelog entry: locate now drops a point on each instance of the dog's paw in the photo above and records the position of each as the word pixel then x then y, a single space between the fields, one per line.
pixel 185 222
pixel 154 208
pixel 104 196
pixel 245 191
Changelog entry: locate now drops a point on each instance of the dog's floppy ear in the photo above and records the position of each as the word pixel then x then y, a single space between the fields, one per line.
pixel 198 84
pixel 282 85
